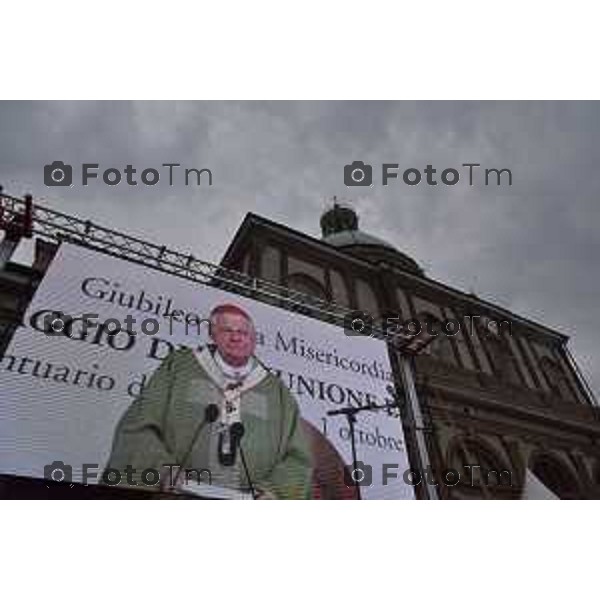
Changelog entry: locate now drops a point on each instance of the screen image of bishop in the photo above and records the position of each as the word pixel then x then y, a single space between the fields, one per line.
pixel 213 407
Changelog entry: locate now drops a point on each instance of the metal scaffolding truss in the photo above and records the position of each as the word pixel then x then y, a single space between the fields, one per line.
pixel 58 227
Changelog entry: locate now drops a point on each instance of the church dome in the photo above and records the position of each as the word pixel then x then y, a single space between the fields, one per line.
pixel 339 226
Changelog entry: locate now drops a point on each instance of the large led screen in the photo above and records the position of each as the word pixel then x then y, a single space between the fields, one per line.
pixel 122 375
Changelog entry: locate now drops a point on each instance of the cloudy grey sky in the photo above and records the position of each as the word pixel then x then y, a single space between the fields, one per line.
pixel 532 247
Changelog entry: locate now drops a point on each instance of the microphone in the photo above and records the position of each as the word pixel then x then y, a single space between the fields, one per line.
pixel 237 431
pixel 211 414
pixel 233 439
pixel 228 443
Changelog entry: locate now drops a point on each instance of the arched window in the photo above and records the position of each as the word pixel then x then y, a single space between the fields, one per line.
pixel 502 357
pixel 597 473
pixel 441 347
pixel 483 472
pixel 556 475
pixel 339 289
pixel 270 264
pixel 310 292
pixel 366 298
pixel 305 284
pixel 557 380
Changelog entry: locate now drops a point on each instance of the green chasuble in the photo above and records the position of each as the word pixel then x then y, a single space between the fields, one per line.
pixel 161 427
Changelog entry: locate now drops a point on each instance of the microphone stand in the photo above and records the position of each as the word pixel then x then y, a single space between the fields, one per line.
pixel 350 413
pixel 237 433
pixel 211 414
pixel 244 464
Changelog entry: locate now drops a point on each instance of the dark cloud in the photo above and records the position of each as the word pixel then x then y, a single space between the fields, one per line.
pixel 531 247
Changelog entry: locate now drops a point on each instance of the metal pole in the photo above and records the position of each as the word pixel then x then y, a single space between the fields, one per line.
pixel 410 391
pixel 350 413
pixel 351 421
